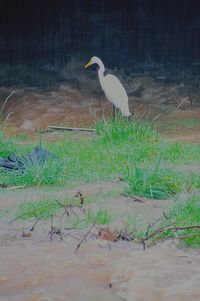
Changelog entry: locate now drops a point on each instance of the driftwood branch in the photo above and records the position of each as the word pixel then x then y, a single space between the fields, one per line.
pixel 63 128
pixel 11 187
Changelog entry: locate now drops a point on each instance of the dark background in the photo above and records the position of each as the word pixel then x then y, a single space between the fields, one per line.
pixel 41 33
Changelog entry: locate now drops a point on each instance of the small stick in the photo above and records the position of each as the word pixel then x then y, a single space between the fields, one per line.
pixel 51 232
pixel 16 218
pixel 84 237
pixel 11 187
pixel 157 117
pixel 182 237
pixel 159 230
pixel 143 244
pixel 109 246
pixel 66 211
pixel 62 205
pixel 33 227
pixel 163 229
pixel 15 187
pixel 182 227
pixel 80 195
pixel 165 215
pixel 72 210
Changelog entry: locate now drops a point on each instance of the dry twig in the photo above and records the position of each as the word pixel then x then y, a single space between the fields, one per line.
pixel 136 199
pixel 54 230
pixel 85 236
pixel 156 233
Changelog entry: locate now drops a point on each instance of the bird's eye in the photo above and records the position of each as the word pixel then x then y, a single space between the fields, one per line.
pixel 95 67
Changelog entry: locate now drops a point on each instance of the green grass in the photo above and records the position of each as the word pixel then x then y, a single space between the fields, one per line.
pixel 49 172
pixel 45 208
pixel 113 152
pixel 40 209
pixel 184 214
pixel 100 217
pixel 121 130
pixel 6 145
pixel 179 152
pixel 181 214
pixel 153 181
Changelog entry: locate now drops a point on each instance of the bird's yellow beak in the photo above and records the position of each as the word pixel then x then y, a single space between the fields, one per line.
pixel 88 64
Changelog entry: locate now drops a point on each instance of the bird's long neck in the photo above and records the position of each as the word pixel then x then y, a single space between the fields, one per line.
pixel 101 71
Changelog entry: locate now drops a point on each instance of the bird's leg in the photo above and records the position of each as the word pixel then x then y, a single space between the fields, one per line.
pixel 130 117
pixel 114 112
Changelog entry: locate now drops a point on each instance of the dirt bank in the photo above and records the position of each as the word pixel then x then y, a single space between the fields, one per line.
pixel 63 105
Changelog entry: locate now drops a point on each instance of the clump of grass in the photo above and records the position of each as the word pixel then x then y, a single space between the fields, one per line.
pixel 40 209
pixel 180 152
pixel 122 129
pixel 35 173
pixel 99 217
pixel 153 181
pixel 174 151
pixel 185 214
pixel 43 209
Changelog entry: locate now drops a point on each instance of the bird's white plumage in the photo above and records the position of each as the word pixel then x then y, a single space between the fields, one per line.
pixel 116 94
pixel 112 88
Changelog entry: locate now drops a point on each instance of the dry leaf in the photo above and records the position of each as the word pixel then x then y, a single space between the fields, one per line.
pixel 29 234
pixel 107 234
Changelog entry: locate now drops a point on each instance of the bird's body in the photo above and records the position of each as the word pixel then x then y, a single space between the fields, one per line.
pixel 112 88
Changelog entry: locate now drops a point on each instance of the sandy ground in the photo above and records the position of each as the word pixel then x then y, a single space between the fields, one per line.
pixel 36 269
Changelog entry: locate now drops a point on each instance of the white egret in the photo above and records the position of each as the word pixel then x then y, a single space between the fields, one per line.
pixel 112 88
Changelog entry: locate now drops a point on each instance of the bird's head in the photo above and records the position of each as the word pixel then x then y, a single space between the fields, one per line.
pixel 93 60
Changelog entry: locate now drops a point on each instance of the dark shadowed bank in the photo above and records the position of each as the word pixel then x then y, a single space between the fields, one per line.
pixel 38 38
